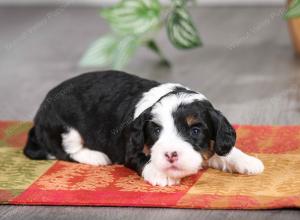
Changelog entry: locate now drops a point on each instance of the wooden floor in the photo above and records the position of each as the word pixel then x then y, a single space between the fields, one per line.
pixel 246 68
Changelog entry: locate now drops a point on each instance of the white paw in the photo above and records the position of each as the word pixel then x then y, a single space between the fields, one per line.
pixel 91 157
pixel 157 178
pixel 249 165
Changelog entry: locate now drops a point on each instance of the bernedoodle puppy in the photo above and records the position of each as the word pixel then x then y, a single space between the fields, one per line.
pixel 162 131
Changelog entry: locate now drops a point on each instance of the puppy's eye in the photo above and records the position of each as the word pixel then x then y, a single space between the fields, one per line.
pixel 195 131
pixel 157 130
pixel 154 128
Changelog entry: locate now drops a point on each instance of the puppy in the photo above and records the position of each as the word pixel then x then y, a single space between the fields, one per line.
pixel 162 131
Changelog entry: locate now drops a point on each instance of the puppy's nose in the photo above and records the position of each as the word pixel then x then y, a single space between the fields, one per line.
pixel 171 156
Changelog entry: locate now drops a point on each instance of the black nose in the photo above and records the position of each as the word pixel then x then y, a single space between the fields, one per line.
pixel 171 156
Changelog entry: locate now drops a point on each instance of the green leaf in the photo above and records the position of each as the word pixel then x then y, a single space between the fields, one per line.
pixel 294 10
pixel 179 2
pixel 110 50
pixel 133 17
pixel 124 51
pixel 100 52
pixel 181 30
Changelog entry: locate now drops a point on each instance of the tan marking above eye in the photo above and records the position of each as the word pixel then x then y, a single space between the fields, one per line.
pixel 191 120
pixel 146 150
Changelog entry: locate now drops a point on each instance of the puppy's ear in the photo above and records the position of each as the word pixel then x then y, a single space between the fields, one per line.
pixel 135 157
pixel 135 133
pixel 223 133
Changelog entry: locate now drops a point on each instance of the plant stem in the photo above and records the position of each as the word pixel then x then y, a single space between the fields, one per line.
pixel 151 44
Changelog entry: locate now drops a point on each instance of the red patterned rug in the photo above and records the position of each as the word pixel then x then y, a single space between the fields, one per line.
pixel 28 182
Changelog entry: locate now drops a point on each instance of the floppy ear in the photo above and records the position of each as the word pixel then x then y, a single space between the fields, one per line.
pixel 134 156
pixel 223 133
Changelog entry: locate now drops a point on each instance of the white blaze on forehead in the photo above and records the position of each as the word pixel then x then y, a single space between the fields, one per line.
pixel 153 95
pixel 163 110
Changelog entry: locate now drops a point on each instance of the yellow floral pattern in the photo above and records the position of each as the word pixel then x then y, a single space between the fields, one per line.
pixel 18 172
pixel 134 183
pixel 74 176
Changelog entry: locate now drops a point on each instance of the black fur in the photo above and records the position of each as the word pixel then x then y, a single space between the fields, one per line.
pixel 134 156
pixel 99 105
pixel 224 134
pixel 33 148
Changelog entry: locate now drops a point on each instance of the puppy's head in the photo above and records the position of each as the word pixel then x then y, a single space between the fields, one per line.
pixel 180 131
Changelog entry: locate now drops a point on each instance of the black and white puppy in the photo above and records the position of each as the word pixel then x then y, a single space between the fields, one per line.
pixel 162 131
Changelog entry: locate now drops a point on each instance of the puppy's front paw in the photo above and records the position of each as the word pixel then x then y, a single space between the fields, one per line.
pixel 249 165
pixel 157 178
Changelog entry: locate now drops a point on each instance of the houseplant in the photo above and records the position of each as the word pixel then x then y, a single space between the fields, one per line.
pixel 293 14
pixel 135 23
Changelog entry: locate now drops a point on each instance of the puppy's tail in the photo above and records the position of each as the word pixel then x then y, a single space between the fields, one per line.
pixel 33 149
